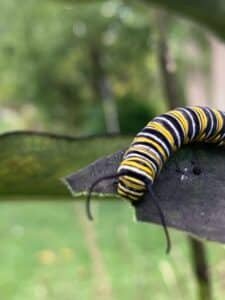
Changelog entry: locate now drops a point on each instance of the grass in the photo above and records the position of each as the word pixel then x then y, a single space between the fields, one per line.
pixel 46 253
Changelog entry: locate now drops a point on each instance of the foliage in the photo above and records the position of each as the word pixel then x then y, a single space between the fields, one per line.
pixel 200 11
pixel 133 114
pixel 54 56
pixel 51 51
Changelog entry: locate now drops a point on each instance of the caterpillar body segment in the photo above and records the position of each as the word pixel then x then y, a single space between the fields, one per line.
pixel 161 137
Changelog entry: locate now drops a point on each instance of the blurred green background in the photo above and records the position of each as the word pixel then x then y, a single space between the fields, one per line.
pixel 93 69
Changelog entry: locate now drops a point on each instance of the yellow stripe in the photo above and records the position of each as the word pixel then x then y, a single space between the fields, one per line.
pixel 127 190
pixel 151 142
pixel 134 180
pixel 219 119
pixel 128 182
pixel 202 117
pixel 183 122
pixel 166 133
pixel 203 123
pixel 121 193
pixel 145 151
pixel 130 162
pixel 138 166
pixel 143 160
pixel 216 139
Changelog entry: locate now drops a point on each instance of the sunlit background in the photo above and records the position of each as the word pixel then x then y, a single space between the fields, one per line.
pixel 92 69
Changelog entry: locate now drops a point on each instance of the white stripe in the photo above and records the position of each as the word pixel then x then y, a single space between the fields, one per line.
pixel 135 170
pixel 144 158
pixel 128 191
pixel 192 121
pixel 149 150
pixel 212 123
pixel 127 177
pixel 162 118
pixel 152 136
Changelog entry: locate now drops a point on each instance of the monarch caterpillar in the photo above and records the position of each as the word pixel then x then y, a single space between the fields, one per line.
pixel 156 143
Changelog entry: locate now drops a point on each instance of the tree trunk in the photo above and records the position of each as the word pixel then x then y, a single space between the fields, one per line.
pixel 217 73
pixel 102 90
pixel 173 97
pixel 200 268
pixel 167 64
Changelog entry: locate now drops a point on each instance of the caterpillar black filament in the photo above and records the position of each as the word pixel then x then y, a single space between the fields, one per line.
pixel 157 142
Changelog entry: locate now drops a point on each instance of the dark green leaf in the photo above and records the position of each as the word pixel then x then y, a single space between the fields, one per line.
pixel 33 163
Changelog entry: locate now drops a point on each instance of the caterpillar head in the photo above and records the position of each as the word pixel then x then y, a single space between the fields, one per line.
pixel 137 175
pixel 131 187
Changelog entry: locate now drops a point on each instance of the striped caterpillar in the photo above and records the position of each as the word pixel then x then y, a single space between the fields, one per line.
pixel 156 143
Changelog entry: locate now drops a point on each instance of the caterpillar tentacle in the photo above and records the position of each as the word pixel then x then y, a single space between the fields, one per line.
pixel 162 217
pixel 96 182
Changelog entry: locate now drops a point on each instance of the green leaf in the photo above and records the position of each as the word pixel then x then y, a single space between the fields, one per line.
pixel 33 163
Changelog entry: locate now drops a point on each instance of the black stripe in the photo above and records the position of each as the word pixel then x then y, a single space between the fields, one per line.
pixel 190 123
pixel 223 117
pixel 150 146
pixel 135 175
pixel 160 136
pixel 196 120
pixel 131 188
pixel 135 159
pixel 215 123
pixel 169 128
pixel 128 178
pixel 148 157
pixel 208 126
pixel 155 141
pixel 222 129
pixel 176 124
